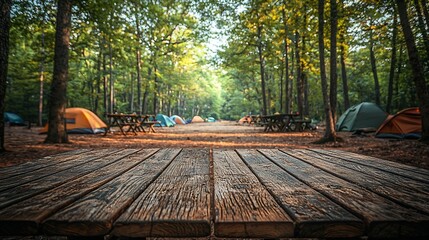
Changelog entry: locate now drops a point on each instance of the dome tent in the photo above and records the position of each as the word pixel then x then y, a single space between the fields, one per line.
pixel 177 119
pixel 13 119
pixel 81 120
pixel 405 124
pixel 197 119
pixel 164 120
pixel 365 115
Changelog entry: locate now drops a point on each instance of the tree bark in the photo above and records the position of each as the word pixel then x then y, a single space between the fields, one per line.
pixel 299 80
pixel 422 26
pixel 138 67
pixel 333 59
pixel 262 70
pixel 392 62
pixel 330 134
pixel 344 77
pixel 57 102
pixel 5 7
pixel 374 68
pixel 417 69
pixel 426 12
pixel 286 57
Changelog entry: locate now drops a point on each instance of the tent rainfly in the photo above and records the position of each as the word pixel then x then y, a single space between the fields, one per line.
pixel 177 119
pixel 81 120
pixel 197 119
pixel 368 116
pixel 164 121
pixel 13 119
pixel 405 124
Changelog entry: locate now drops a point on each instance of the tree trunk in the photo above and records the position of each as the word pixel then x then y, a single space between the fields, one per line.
pixel 344 73
pixel 112 107
pixel 333 59
pixel 374 68
pixel 105 85
pixel 156 92
pixel 138 68
pixel 98 82
pixel 398 74
pixel 422 26
pixel 131 100
pixel 392 62
pixel 299 82
pixel 5 7
pixel 57 102
pixel 417 69
pixel 330 134
pixel 426 12
pixel 286 57
pixel 41 80
pixel 262 71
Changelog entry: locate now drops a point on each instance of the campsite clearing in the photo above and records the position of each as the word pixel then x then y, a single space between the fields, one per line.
pixel 27 144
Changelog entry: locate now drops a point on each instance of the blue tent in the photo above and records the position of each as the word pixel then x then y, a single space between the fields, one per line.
pixel 13 119
pixel 211 119
pixel 165 121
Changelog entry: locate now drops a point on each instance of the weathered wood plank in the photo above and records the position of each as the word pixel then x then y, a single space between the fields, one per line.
pixel 395 187
pixel 9 171
pixel 52 169
pixel 383 217
pixel 176 204
pixel 83 167
pixel 93 215
pixel 416 173
pixel 314 214
pixel 243 207
pixel 24 218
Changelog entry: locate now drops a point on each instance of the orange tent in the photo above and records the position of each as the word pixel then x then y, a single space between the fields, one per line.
pixel 245 119
pixel 81 120
pixel 405 124
pixel 197 119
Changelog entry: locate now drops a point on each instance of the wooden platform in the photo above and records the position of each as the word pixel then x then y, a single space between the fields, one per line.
pixel 243 193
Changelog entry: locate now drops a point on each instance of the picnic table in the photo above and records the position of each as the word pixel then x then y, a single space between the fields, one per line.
pixel 285 122
pixel 243 193
pixel 131 123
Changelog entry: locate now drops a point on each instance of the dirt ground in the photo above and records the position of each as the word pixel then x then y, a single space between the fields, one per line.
pixel 27 144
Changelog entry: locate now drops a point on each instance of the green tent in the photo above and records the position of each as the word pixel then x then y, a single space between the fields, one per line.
pixel 365 115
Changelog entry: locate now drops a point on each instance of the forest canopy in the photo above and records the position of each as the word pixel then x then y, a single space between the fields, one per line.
pixel 223 59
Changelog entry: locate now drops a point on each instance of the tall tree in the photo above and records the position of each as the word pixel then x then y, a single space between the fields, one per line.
pixel 392 61
pixel 343 56
pixel 57 101
pixel 417 69
pixel 333 58
pixel 5 6
pixel 330 134
pixel 374 65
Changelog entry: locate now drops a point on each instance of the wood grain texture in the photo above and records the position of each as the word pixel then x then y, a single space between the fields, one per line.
pixel 39 173
pixel 243 207
pixel 394 187
pixel 81 168
pixel 383 217
pixel 419 174
pixel 7 172
pixel 314 214
pixel 176 204
pixel 93 215
pixel 24 218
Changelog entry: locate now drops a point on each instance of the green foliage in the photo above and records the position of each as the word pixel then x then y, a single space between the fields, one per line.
pixel 176 70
